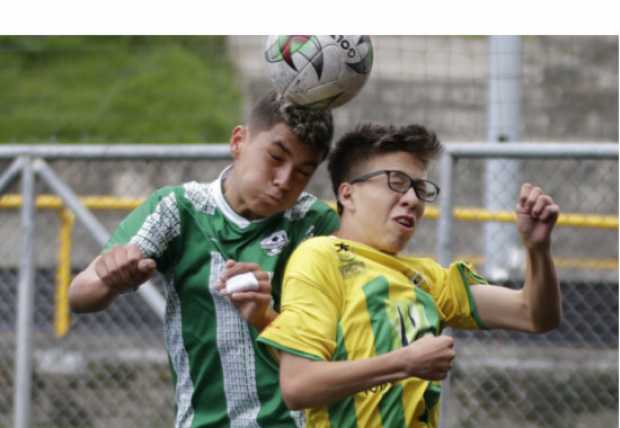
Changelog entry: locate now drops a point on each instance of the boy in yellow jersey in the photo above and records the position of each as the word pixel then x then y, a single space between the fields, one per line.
pixel 359 333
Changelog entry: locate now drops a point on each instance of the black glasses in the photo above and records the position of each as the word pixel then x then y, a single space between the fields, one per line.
pixel 400 182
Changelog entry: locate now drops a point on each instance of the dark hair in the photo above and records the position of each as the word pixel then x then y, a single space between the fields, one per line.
pixel 368 140
pixel 314 127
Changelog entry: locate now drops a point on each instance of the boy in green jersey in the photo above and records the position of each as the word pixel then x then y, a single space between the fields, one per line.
pixel 359 333
pixel 248 220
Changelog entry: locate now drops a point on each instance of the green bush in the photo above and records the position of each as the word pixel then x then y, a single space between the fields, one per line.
pixel 117 90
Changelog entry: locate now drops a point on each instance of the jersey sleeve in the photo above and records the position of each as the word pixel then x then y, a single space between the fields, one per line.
pixel 311 304
pixel 152 226
pixel 453 296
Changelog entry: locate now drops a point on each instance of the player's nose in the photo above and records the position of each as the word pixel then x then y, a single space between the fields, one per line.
pixel 410 198
pixel 282 177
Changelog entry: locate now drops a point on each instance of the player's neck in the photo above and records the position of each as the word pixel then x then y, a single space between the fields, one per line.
pixel 349 231
pixel 234 198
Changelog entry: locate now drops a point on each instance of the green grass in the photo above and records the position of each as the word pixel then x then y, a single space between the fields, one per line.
pixel 116 90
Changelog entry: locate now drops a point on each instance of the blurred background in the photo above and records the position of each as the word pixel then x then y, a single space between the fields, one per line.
pixel 110 369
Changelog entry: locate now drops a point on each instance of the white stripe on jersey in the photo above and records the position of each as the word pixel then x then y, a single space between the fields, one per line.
pixel 301 207
pixel 178 358
pixel 159 228
pixel 200 196
pixel 298 418
pixel 234 345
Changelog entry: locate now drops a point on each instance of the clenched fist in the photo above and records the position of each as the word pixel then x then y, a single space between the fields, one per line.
pixel 124 268
pixel 537 213
pixel 254 304
pixel 429 357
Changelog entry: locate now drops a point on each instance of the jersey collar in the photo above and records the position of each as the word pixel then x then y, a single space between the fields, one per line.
pixel 217 190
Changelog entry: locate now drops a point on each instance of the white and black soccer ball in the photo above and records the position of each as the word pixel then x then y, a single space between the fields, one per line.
pixel 319 71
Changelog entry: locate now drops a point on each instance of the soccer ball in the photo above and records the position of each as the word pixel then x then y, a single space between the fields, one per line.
pixel 319 71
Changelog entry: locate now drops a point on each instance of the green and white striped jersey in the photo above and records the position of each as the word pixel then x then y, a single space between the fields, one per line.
pixel 223 378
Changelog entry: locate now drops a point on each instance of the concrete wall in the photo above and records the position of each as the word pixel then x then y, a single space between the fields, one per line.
pixel 570 85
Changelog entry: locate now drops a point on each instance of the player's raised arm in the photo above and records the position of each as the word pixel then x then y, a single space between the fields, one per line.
pixel 537 306
pixel 121 269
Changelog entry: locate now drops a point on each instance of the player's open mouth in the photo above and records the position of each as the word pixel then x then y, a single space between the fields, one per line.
pixel 405 221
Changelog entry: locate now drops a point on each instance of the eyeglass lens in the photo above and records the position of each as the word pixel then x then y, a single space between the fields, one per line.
pixel 400 182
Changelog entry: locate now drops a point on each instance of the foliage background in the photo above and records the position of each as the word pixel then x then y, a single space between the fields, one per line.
pixel 116 89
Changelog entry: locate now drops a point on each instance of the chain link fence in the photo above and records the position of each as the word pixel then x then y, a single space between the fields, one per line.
pixel 111 369
pixel 567 377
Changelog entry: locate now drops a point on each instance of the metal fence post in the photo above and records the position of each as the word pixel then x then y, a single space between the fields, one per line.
pixel 444 232
pixel 444 252
pixel 9 175
pixel 25 304
pixel 501 182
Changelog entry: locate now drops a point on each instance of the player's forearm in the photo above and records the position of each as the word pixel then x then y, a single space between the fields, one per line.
pixel 307 384
pixel 542 290
pixel 88 293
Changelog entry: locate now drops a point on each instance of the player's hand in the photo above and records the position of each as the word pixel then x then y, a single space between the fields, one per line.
pixel 253 305
pixel 429 357
pixel 536 216
pixel 124 268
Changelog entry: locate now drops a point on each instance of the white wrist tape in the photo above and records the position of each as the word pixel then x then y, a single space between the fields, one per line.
pixel 242 282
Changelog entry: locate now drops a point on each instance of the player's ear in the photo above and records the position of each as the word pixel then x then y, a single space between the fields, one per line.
pixel 344 197
pixel 238 137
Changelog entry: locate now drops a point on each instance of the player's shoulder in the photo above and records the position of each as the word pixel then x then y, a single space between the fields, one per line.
pixel 192 195
pixel 315 256
pixel 414 260
pixel 201 196
pixel 465 272
pixel 424 265
pixel 318 246
pixel 308 206
pixel 317 243
pixel 166 191
pixel 161 198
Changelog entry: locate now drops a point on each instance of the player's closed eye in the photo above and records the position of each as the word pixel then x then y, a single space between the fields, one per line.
pixel 276 157
pixel 303 173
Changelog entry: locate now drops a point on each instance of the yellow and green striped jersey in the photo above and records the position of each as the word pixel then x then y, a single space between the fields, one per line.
pixel 343 300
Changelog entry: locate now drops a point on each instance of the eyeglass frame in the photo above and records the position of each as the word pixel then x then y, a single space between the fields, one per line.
pixel 412 182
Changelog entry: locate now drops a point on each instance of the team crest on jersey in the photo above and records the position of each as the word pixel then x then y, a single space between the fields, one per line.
pixel 274 243
pixel 418 280
pixel 349 264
